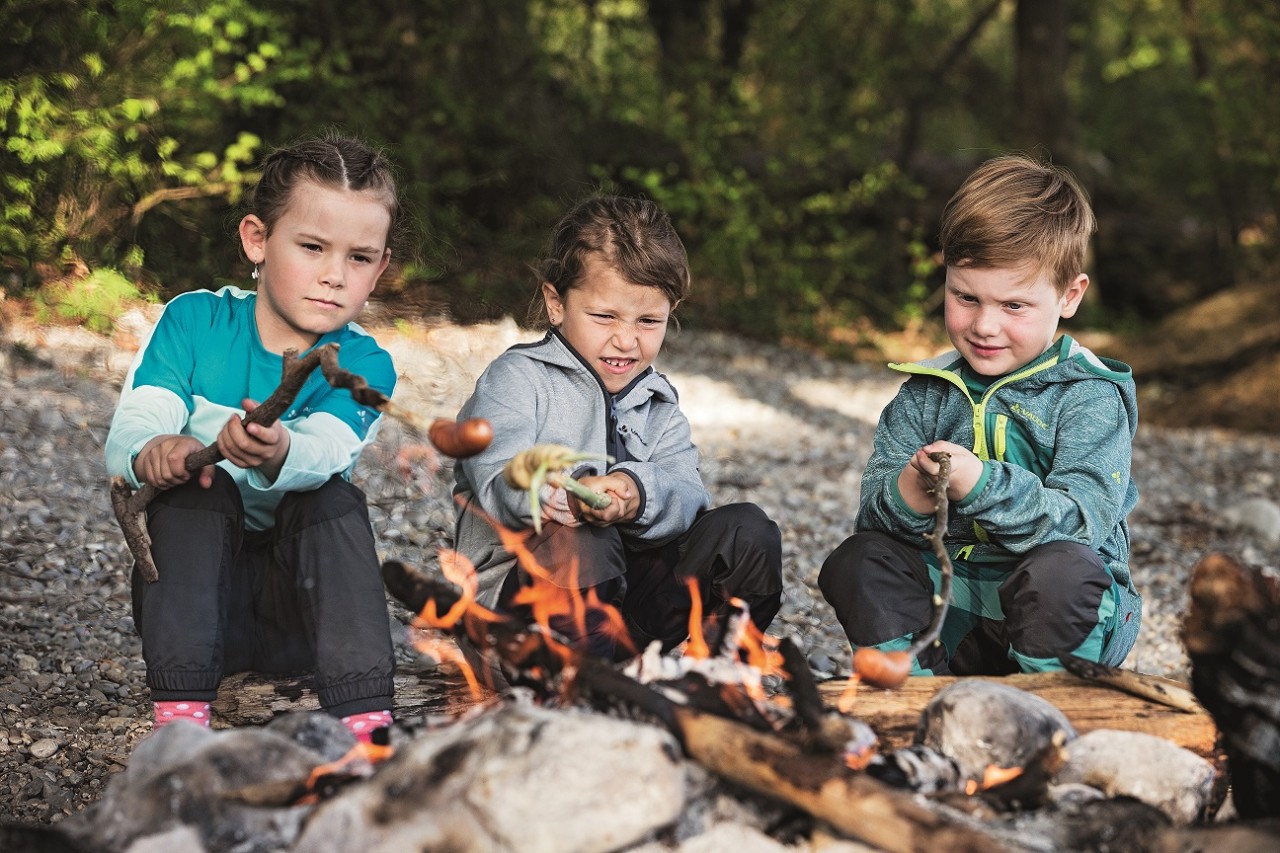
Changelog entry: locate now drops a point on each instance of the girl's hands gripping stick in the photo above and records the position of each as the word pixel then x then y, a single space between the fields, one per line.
pixel 545 463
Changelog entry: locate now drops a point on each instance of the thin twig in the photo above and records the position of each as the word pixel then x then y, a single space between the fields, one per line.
pixel 942 600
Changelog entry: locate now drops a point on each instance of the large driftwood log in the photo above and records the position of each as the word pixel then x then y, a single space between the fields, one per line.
pixel 1232 635
pixel 894 714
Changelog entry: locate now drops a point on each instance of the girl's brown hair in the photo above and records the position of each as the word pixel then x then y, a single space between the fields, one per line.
pixel 334 160
pixel 635 237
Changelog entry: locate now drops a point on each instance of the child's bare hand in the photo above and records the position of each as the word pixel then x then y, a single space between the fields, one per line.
pixel 162 462
pixel 254 446
pixel 623 507
pixel 966 468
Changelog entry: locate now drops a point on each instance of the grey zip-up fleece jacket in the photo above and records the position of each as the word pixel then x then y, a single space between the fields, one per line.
pixel 1056 437
pixel 545 393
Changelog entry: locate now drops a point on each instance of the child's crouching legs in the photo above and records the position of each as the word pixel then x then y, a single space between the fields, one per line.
pixel 325 544
pixel 1057 601
pixel 735 551
pixel 882 594
pixel 181 618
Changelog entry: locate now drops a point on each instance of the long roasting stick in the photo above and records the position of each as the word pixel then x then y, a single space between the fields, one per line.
pixel 450 438
pixel 890 669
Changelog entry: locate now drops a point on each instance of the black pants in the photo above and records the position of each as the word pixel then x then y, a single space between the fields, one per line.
pixel 731 551
pixel 305 596
pixel 1049 600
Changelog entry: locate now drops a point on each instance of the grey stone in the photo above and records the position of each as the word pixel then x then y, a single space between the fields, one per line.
pixel 1142 766
pixel 979 723
pixel 518 778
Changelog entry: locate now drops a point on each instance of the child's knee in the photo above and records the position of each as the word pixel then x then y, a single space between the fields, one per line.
pixel 335 499
pixel 751 526
pixel 1056 577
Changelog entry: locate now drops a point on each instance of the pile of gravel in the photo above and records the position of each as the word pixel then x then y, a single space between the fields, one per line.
pixel 780 427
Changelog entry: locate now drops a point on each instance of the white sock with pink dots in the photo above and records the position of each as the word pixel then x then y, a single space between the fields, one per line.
pixel 364 725
pixel 185 709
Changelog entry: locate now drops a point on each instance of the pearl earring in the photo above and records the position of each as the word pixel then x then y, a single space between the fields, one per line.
pixel 254 274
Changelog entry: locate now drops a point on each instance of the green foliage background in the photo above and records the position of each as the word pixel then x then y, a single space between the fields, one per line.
pixel 804 148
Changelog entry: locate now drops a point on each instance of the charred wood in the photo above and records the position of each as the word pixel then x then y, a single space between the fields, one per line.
pixel 1232 636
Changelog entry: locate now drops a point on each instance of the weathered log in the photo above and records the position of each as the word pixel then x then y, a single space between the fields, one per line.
pixel 894 714
pixel 1160 690
pixel 251 698
pixel 1232 635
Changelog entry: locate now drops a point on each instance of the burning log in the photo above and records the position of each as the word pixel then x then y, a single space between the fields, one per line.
pixel 800 760
pixel 1232 635
pixel 855 804
pixel 449 437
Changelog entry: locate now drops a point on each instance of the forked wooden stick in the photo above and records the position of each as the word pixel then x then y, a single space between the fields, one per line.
pixel 451 438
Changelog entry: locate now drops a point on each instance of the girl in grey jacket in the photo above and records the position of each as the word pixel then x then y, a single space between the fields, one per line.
pixel 615 272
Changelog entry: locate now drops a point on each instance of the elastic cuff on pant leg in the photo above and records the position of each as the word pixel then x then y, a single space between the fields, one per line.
pixel 1029 664
pixel 355 697
pixel 197 684
pixel 177 695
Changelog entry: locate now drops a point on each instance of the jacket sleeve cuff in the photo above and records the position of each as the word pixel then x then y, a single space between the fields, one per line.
pixel 987 468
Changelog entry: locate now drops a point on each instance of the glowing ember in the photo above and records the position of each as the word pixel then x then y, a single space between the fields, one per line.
pixel 991 777
pixel 356 764
pixel 848 698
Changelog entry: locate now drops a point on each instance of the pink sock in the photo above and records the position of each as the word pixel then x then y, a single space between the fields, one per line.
pixel 167 712
pixel 364 725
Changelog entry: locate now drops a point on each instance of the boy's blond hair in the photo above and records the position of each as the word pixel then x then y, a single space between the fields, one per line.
pixel 1016 210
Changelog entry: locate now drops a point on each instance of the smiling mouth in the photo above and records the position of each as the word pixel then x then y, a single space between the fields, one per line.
pixel 618 364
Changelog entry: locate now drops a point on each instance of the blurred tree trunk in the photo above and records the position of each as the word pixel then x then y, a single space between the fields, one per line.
pixel 1044 112
pixel 685 31
pixel 1227 221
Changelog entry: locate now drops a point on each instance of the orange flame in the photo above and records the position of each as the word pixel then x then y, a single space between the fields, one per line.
pixel 696 647
pixel 994 775
pixel 366 754
pixel 849 696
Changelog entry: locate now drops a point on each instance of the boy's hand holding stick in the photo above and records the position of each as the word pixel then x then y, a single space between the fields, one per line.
pixel 545 463
pixel 450 438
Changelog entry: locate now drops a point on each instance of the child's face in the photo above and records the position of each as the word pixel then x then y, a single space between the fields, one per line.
pixel 319 264
pixel 1002 318
pixel 617 326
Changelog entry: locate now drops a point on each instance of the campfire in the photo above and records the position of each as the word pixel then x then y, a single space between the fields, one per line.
pixel 580 753
pixel 727 742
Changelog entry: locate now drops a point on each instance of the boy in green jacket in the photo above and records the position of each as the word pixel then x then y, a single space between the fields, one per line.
pixel 1040 434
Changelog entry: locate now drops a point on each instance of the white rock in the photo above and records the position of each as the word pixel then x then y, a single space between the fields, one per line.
pixel 1142 766
pixel 43 748
pixel 1258 517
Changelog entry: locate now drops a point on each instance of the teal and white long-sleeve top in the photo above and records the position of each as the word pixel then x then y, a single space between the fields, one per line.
pixel 204 356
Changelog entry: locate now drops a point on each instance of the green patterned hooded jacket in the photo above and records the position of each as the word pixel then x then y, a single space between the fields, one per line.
pixel 1056 439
